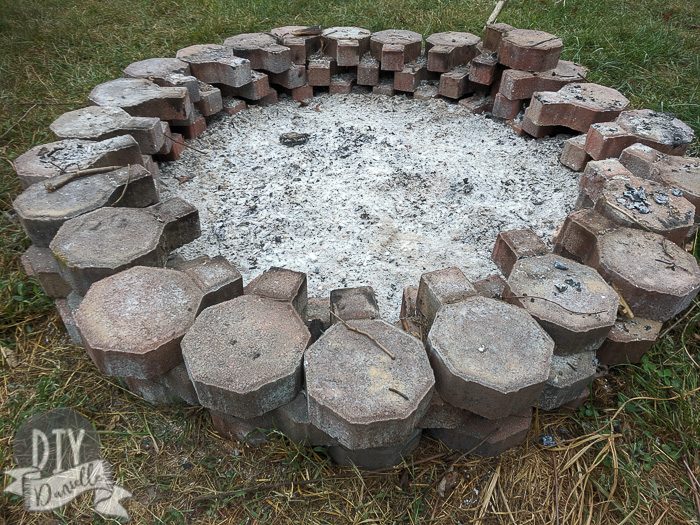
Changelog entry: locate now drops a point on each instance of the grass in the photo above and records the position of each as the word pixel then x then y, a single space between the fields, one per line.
pixel 620 458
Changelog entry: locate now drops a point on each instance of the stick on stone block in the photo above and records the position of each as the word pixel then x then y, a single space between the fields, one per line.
pixel 354 303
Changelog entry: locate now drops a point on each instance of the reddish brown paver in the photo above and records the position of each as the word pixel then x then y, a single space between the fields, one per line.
pixel 395 47
pixel 529 50
pixel 578 235
pixel 255 90
pixel 491 286
pixel 657 278
pixel 85 245
pixel 165 72
pixel 42 212
pixel 576 106
pixel 263 51
pixel 244 356
pixel 450 49
pixel 100 123
pixel 628 341
pixel 505 108
pixel 320 69
pixel 411 76
pixel 357 393
pixel 215 64
pixel 291 78
pixel 493 34
pixel 368 71
pixel 142 98
pixel 517 84
pixel 513 245
pixel 571 301
pixel 439 288
pixel 346 44
pixel 65 156
pixel 455 83
pixel 574 155
pixel 483 68
pixel 682 173
pixel 301 42
pixel 661 131
pixel 492 372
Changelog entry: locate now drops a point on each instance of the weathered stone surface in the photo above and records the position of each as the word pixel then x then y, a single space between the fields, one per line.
pixel 142 98
pixel 491 286
pixel 218 279
pixel 483 68
pixel 505 108
pixel 492 373
pixel 131 323
pixel 441 414
pixel 42 212
pixel 576 106
pixel 477 103
pixel 493 34
pixel 216 64
pixel 40 264
pixel 657 278
pixel 251 431
pixel 568 377
pixel 438 288
pixel 99 123
pixel 172 387
pixel 571 301
pixel 410 77
pixel 676 172
pixel 517 84
pixel 263 51
pixel 455 83
pixel 357 393
pixel 320 69
pixel 255 90
pixel 353 303
pixel 647 205
pixel 346 44
pixel 85 245
pixel 165 72
pixel 234 105
pixel 486 437
pixel 375 458
pixel 317 316
pixel 385 87
pixel 301 42
pixel 577 237
pixel 574 155
pixel 66 308
pixel 303 93
pixel 291 78
pixel 210 99
pixel 244 356
pixel 283 285
pixel 368 71
pixel 395 47
pixel 596 174
pixel 660 131
pixel 513 245
pixel 450 49
pixel 529 50
pixel 293 420
pixel 64 156
pixel 628 341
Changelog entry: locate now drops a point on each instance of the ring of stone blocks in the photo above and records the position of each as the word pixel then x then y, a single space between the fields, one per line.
pixel 131 117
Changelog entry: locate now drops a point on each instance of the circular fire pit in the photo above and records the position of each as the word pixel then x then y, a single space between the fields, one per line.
pixel 253 228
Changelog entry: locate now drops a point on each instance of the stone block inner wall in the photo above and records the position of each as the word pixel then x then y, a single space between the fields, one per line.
pixel 467 362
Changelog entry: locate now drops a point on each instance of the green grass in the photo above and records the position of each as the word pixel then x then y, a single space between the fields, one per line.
pixel 54 51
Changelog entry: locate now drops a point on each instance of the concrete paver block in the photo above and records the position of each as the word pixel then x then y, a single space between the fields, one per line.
pixel 66 156
pixel 142 98
pixel 411 76
pixel 577 236
pixel 84 245
pixel 483 68
pixel 40 264
pixel 574 155
pixel 368 71
pixel 345 44
pixel 263 51
pixel 409 317
pixel 628 341
pixel 395 47
pixel 215 64
pixel 172 387
pixel 450 49
pixel 569 376
pixel 251 431
pixel 571 301
pixel 375 458
pixel 491 286
pixel 493 33
pixel 529 50
pixel 283 285
pixel 438 288
pixel 455 83
pixel 218 279
pixel 492 373
pixel 357 393
pixel 244 356
pixel 513 245
pixel 522 85
pixel 165 72
pixel 42 212
pixel 301 42
pixel 293 420
pixel 354 303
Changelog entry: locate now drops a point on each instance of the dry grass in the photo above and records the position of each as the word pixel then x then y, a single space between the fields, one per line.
pixel 621 458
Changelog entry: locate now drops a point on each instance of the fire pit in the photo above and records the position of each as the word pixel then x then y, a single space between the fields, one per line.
pixel 254 228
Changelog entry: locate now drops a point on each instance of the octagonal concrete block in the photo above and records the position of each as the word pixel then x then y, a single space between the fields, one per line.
pixel 218 279
pixel 262 49
pixel 571 301
pixel 142 98
pixel 131 323
pixel 395 47
pixel 353 303
pixel 166 72
pixel 569 376
pixel 281 284
pixel 657 278
pixel 450 49
pixel 292 419
pixel 345 44
pixel 529 50
pixel 252 431
pixel 173 387
pixel 628 341
pixel 486 437
pixel 578 235
pixel 40 264
pixel 99 123
pixel 301 41
pixel 65 156
pixel 357 393
pixel 245 355
pixel 513 245
pixel 42 212
pixel 439 288
pixel 492 373
pixel 215 64
pixel 86 246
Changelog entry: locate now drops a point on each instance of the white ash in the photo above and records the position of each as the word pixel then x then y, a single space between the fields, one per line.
pixel 386 188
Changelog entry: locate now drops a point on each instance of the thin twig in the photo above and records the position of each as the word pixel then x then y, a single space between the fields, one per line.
pixel 398 392
pixel 66 178
pixel 554 302
pixel 496 11
pixel 694 486
pixel 128 180
pixel 626 310
pixel 184 144
pixel 358 331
